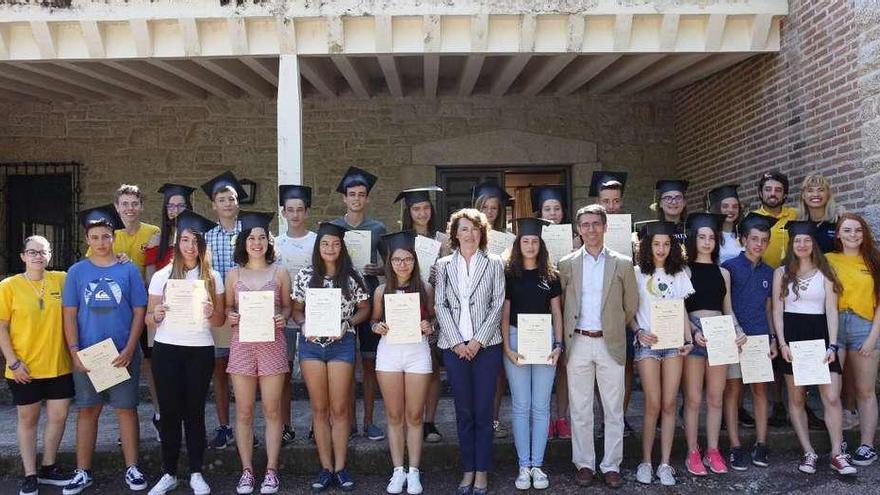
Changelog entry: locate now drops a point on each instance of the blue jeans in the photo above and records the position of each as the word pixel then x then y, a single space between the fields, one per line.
pixel 530 388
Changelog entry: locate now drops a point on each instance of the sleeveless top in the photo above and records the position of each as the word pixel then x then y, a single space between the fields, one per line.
pixel 811 295
pixel 271 284
pixel 709 288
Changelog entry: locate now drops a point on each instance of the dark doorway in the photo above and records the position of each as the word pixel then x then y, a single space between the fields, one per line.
pixel 41 199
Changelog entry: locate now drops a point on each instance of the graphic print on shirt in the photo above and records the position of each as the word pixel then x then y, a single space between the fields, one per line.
pixel 103 293
pixel 659 286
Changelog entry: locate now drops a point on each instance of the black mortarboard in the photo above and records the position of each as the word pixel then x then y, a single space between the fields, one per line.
pixel 222 181
pixel 405 239
pixel 543 193
pixel 253 219
pixel 654 227
pixel 290 191
pixel 801 227
pixel 754 219
pixel 177 190
pixel 192 221
pixel 721 193
pixel 530 226
pixel 491 190
pixel 663 186
pixel 329 228
pixel 416 195
pixel 698 220
pixel 604 178
pixel 356 177
pixel 101 215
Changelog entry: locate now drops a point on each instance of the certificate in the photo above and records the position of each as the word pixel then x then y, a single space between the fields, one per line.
pixel 256 309
pixel 323 312
pixel 808 362
pixel 667 320
pixel 618 236
pixel 427 251
pixel 720 340
pixel 559 240
pixel 98 359
pixel 185 301
pixel 359 244
pixel 754 360
pixel 443 238
pixel 499 241
pixel 534 338
pixel 403 315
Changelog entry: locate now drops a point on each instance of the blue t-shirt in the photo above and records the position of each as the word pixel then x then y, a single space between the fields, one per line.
pixel 750 288
pixel 105 298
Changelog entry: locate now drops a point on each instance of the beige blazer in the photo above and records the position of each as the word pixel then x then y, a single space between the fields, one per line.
pixel 620 298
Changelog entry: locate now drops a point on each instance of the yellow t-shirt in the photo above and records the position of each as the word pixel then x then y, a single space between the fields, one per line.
pixel 37 335
pixel 858 284
pixel 778 235
pixel 135 246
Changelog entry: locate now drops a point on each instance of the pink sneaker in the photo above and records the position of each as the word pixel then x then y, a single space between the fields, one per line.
pixel 551 433
pixel 715 462
pixel 694 464
pixel 563 429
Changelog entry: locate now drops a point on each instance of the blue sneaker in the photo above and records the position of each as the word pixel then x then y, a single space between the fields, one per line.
pixel 322 481
pixel 82 479
pixel 222 438
pixel 344 481
pixel 374 433
pixel 135 479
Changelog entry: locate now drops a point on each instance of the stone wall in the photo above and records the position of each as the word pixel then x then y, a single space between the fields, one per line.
pixel 867 14
pixel 149 143
pixel 797 111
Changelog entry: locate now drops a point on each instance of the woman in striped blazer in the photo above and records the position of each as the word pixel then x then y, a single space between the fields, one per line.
pixel 473 280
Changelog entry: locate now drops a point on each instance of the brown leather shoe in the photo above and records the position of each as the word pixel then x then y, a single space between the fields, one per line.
pixel 584 477
pixel 613 479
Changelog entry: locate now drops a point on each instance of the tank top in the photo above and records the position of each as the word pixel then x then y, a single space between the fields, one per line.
pixel 709 288
pixel 811 295
pixel 271 284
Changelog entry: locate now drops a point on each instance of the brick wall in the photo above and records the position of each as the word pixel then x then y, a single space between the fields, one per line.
pixel 798 111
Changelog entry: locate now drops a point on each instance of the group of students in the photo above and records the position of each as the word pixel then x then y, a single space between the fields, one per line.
pixel 790 274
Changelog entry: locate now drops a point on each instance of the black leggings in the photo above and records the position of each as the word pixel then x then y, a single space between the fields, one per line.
pixel 182 377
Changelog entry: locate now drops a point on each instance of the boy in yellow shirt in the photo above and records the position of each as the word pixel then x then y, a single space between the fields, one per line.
pixel 773 191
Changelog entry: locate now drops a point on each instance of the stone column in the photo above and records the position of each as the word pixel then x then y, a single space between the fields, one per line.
pixel 867 18
pixel 289 115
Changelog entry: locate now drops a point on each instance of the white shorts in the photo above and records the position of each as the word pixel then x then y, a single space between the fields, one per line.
pixel 403 358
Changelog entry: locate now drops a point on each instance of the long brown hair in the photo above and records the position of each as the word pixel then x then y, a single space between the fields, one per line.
pixel 203 261
pixel 499 223
pixel 344 269
pixel 868 250
pixel 516 265
pixel 791 264
pixel 415 279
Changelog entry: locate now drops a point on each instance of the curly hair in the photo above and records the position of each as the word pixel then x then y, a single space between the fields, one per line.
pixel 477 218
pixel 516 266
pixel 674 263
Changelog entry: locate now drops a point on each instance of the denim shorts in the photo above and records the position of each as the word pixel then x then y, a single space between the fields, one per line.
pixel 123 395
pixel 341 350
pixel 853 330
pixel 643 352
pixel 698 351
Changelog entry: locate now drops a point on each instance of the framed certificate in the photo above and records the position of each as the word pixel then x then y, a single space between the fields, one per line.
pixel 559 240
pixel 98 359
pixel 534 338
pixel 403 315
pixel 667 320
pixel 323 312
pixel 720 337
pixel 257 316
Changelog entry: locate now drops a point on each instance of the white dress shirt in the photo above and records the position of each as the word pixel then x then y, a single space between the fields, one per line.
pixel 465 325
pixel 590 317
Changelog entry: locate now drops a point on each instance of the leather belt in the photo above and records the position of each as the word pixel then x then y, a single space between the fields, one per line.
pixel 589 333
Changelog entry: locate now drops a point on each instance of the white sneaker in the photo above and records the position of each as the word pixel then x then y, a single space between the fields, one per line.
pixel 524 480
pixel 666 474
pixel 413 481
pixel 166 484
pixel 135 479
pixel 540 480
pixel 198 484
pixel 645 473
pixel 397 481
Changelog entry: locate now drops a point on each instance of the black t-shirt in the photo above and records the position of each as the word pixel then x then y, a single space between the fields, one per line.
pixel 529 294
pixel 825 235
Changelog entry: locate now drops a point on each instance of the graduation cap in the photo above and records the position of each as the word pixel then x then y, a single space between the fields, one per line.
pixel 663 186
pixel 654 227
pixel 603 179
pixel 253 219
pixel 193 222
pixel 721 193
pixel 490 190
pixel 105 215
pixel 756 219
pixel 290 191
pixel 329 228
pixel 416 195
pixel 801 227
pixel 696 221
pixel 543 193
pixel 531 226
pixel 356 177
pixel 221 182
pixel 405 239
pixel 177 190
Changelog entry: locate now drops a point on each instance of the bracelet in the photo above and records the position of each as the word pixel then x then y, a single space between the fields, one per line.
pixel 688 342
pixel 833 347
pixel 16 365
pixel 73 347
pixel 558 345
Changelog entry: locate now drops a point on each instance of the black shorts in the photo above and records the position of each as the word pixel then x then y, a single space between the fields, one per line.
pixel 799 326
pixel 40 389
pixel 368 341
pixel 145 345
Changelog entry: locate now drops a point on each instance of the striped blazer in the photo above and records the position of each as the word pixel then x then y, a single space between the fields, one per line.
pixel 486 299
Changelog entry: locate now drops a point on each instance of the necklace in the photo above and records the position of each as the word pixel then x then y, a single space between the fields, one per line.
pixel 40 292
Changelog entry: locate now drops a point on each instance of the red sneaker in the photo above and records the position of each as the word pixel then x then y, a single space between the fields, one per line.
pixel 715 462
pixel 563 429
pixel 694 463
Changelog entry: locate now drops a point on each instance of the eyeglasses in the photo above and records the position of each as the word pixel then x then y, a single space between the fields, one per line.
pixel 33 253
pixel 672 199
pixel 403 261
pixel 176 206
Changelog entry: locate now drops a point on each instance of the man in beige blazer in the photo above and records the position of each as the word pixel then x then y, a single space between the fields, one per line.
pixel 600 299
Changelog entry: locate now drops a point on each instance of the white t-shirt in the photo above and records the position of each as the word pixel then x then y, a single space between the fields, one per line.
pixel 730 249
pixel 295 253
pixel 659 286
pixel 173 336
